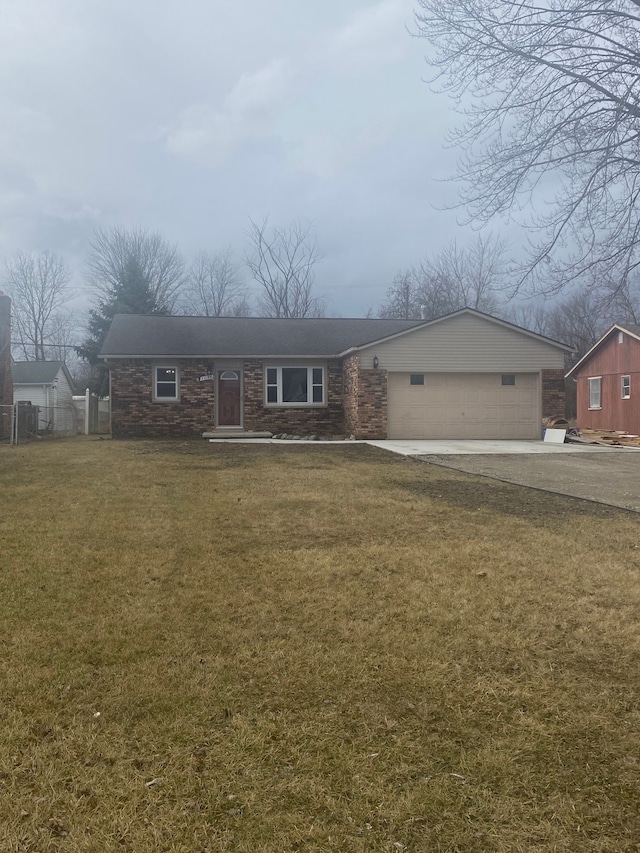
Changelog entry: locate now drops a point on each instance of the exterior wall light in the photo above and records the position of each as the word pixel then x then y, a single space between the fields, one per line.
pixel 376 362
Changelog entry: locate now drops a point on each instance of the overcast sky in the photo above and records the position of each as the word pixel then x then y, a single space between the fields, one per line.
pixel 189 116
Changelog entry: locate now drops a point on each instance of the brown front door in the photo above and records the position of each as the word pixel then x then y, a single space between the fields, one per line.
pixel 229 408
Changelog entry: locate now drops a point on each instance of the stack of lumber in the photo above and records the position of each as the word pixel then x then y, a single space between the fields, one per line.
pixel 614 438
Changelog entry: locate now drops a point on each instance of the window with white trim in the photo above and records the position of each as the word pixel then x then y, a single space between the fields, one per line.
pixel 295 386
pixel 626 387
pixel 595 383
pixel 166 383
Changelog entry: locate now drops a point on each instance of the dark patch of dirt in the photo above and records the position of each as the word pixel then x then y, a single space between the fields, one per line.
pixel 473 492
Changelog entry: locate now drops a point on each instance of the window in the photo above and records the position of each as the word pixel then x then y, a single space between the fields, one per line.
pixel 294 386
pixel 620 337
pixel 416 379
pixel 594 392
pixel 626 387
pixel 508 379
pixel 166 384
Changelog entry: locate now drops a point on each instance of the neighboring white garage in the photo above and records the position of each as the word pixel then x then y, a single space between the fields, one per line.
pixel 463 405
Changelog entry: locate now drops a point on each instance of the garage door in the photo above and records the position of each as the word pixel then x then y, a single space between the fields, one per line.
pixel 463 405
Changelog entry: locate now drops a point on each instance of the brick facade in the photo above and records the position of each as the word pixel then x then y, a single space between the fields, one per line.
pixel 553 394
pixel 304 420
pixel 365 400
pixel 357 401
pixel 134 412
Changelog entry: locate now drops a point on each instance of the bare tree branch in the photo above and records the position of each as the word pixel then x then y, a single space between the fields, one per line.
pixel 551 98
pixel 282 261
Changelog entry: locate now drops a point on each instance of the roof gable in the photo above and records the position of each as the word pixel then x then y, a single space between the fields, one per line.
pixel 473 313
pixel 628 328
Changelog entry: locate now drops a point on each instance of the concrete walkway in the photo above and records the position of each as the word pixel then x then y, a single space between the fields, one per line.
pixel 467 448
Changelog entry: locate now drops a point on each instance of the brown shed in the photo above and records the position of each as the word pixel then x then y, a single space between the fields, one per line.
pixel 608 382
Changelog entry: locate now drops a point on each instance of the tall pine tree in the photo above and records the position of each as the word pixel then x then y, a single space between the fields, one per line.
pixel 135 273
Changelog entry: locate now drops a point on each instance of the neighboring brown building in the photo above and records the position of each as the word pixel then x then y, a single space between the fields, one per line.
pixel 466 375
pixel 608 382
pixel 6 387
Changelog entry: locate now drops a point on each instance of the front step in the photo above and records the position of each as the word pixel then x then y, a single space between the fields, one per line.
pixel 236 433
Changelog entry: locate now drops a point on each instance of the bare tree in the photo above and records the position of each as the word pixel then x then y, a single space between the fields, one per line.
pixel 282 261
pixel 468 277
pixel 39 285
pixel 118 255
pixel 534 316
pixel 549 91
pixel 454 278
pixel 401 301
pixel 579 320
pixel 214 287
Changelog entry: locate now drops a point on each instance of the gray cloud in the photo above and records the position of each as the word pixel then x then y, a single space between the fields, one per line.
pixel 188 116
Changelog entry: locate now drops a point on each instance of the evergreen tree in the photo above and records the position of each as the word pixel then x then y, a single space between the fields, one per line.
pixel 133 291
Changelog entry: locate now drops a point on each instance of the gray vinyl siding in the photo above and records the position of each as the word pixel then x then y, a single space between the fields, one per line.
pixel 464 343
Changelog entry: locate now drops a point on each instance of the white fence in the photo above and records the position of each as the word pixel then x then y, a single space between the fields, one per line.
pixel 93 413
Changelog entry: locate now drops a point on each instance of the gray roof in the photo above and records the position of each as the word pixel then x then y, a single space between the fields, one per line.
pixel 156 336
pixel 35 372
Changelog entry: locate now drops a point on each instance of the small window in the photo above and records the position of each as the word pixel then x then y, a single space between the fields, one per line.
pixel 166 384
pixel 508 379
pixel 626 387
pixel 295 386
pixel 620 337
pixel 594 392
pixel 416 379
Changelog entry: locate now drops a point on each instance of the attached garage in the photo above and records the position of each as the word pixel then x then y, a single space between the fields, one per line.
pixel 466 376
pixel 463 405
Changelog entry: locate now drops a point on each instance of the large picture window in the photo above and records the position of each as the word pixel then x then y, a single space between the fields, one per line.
pixel 166 387
pixel 295 386
pixel 594 392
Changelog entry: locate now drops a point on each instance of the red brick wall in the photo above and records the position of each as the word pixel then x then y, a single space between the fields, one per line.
pixel 553 396
pixel 134 413
pixel 365 400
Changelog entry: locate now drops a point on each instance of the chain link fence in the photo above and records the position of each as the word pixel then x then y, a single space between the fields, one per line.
pixel 24 422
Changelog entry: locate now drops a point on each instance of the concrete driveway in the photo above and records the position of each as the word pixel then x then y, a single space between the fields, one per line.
pixel 604 474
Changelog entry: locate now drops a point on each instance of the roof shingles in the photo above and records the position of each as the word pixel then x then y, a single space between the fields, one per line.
pixel 133 335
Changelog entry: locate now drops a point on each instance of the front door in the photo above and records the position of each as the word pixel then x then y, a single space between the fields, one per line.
pixel 229 398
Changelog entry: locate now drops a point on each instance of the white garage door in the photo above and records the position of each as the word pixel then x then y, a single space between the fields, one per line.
pixel 463 405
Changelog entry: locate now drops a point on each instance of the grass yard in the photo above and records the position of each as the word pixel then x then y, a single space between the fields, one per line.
pixel 270 649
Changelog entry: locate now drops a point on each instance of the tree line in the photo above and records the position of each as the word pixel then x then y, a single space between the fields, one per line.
pixel 134 271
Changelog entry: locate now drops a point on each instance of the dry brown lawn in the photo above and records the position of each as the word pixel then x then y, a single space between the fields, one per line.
pixel 260 649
